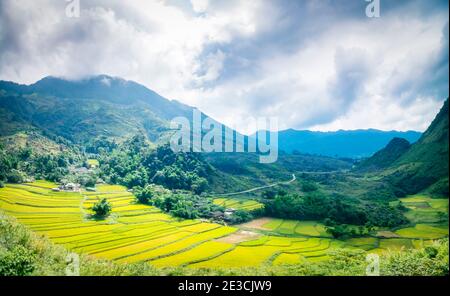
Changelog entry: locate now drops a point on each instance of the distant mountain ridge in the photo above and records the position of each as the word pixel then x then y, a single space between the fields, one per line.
pixel 352 144
pixel 80 110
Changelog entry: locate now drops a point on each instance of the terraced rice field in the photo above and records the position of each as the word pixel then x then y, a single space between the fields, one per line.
pixel 411 237
pixel 238 204
pixel 133 232
pixel 424 231
pixel 429 215
pixel 294 227
pixel 423 209
pixel 141 233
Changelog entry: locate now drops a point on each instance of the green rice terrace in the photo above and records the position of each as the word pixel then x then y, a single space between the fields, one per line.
pixel 140 233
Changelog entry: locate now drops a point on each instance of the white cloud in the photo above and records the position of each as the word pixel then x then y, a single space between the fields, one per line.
pixel 355 75
pixel 235 59
pixel 199 5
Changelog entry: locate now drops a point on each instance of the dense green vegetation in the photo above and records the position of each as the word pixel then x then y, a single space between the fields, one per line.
pixel 385 157
pixel 425 164
pixel 177 203
pixel 19 164
pixel 135 163
pixel 102 208
pixel 336 208
pixel 187 205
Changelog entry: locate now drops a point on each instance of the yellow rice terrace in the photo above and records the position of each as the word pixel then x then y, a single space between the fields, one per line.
pixel 136 232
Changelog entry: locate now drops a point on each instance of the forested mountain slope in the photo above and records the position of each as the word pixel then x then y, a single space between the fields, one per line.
pixel 424 166
pixel 385 157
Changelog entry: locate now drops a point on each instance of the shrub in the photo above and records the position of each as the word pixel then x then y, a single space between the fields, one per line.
pixel 309 187
pixel 143 195
pixel 429 261
pixel 14 177
pixel 91 182
pixel 18 261
pixel 102 208
pixel 240 216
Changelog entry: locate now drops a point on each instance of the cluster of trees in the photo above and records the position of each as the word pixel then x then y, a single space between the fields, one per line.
pixel 102 208
pixel 18 163
pixel 134 163
pixel 337 208
pixel 9 164
pixel 188 205
pixel 100 145
pixel 50 167
pixel 343 230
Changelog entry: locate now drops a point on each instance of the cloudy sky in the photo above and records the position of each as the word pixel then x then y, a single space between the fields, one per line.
pixel 318 64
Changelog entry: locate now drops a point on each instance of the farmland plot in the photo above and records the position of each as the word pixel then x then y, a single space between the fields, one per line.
pixel 141 233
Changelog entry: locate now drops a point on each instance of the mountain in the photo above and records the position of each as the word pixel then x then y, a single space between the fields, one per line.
pixel 100 116
pixel 424 166
pixel 351 144
pixel 85 109
pixel 102 87
pixel 385 157
pixel 81 110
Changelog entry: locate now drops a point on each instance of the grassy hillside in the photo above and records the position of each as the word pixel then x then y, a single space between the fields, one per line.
pixel 424 166
pixel 385 157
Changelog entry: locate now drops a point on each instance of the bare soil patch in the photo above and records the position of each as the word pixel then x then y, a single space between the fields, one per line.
pixel 256 224
pixel 239 236
pixel 387 234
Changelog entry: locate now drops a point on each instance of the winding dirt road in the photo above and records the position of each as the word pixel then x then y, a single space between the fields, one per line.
pixel 258 188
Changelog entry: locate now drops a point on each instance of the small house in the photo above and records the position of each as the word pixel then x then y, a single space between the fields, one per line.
pixel 70 187
pixel 229 212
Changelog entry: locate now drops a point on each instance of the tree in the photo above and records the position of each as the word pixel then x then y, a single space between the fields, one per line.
pixel 240 216
pixel 90 182
pixel 269 194
pixel 144 195
pixel 309 186
pixel 14 177
pixel 25 153
pixel 199 185
pixel 340 230
pixel 102 208
pixel 19 261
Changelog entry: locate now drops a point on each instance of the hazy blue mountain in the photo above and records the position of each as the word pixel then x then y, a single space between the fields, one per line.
pixel 353 144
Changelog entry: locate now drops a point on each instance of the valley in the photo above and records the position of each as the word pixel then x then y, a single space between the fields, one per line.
pixel 97 177
pixel 140 233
